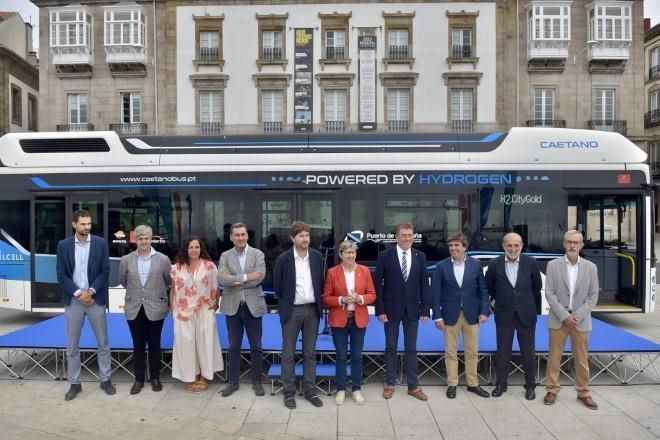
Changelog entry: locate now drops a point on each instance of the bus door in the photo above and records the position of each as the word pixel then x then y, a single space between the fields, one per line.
pixel 279 210
pixel 610 226
pixel 52 223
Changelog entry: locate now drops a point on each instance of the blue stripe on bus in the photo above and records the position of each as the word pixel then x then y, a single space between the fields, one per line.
pixel 41 183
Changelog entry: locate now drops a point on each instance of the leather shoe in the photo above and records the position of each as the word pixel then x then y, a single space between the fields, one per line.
pixel 229 390
pixel 388 391
pixel 258 389
pixel 156 385
pixel 550 399
pixel 108 388
pixel 314 400
pixel 478 391
pixel 290 401
pixel 417 393
pixel 451 391
pixel 530 394
pixel 588 402
pixel 137 387
pixel 74 389
pixel 499 390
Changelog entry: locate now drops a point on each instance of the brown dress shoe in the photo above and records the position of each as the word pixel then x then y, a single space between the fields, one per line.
pixel 588 402
pixel 417 393
pixel 388 391
pixel 549 398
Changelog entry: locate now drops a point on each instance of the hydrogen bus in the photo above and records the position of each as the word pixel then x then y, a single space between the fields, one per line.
pixel 539 182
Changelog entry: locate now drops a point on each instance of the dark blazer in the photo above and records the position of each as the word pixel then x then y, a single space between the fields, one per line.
pixel 525 296
pixel 98 268
pixel 284 280
pixel 397 298
pixel 448 295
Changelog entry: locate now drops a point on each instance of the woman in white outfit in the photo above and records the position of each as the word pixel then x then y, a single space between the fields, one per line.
pixel 196 353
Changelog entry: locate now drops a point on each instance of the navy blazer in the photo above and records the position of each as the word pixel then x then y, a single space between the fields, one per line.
pixel 397 298
pixel 284 280
pixel 524 297
pixel 448 295
pixel 98 268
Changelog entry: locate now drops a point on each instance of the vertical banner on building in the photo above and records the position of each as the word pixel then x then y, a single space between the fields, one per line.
pixel 367 81
pixel 302 81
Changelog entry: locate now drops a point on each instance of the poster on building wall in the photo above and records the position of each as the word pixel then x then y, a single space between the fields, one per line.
pixel 367 81
pixel 302 81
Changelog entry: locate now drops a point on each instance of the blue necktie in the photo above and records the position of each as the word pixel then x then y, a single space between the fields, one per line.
pixel 404 267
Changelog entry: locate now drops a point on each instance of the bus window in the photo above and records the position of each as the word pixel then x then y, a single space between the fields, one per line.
pixel 220 212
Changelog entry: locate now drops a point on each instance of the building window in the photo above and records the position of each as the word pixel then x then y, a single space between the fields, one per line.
pixel 655 100
pixel 16 106
pixel 335 41
pixel 398 109
pixel 461 43
pixel 398 44
pixel 654 71
pixel 125 27
pixel 461 109
pixel 272 49
pixel 609 22
pixel 272 103
pixel 544 106
pixel 130 108
pixel 33 111
pixel 335 110
pixel 210 111
pixel 462 39
pixel 70 28
pixel 549 22
pixel 604 105
pixel 77 108
pixel 209 46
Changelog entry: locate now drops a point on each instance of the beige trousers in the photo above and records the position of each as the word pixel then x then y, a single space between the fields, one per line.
pixel 580 349
pixel 470 342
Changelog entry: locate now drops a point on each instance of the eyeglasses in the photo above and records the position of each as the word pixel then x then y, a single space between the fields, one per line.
pixel 572 242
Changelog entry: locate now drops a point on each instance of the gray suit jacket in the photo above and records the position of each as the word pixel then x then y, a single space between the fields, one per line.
pixel 153 296
pixel 558 295
pixel 230 275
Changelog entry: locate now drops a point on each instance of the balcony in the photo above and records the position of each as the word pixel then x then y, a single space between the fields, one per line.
pixel 75 127
pixel 610 50
pixel 133 129
pixel 73 59
pixel 334 53
pixel 652 118
pixel 398 52
pixel 545 49
pixel 655 169
pixel 272 127
pixel 654 73
pixel 335 126
pixel 210 128
pixel 209 54
pixel 126 60
pixel 555 123
pixel 462 126
pixel 459 52
pixel 271 54
pixel 399 126
pixel 614 125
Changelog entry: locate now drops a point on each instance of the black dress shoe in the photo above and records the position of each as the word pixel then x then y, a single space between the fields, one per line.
pixel 451 391
pixel 499 390
pixel 478 391
pixel 108 387
pixel 530 394
pixel 290 401
pixel 229 390
pixel 258 389
pixel 137 387
pixel 74 389
pixel 314 400
pixel 156 385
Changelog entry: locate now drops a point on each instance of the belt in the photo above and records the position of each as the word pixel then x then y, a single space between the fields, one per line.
pixel 305 305
pixel 350 313
pixel 242 303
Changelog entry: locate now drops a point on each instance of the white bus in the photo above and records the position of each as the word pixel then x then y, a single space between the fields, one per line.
pixel 538 182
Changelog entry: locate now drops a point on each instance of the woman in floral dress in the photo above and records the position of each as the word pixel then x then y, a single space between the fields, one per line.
pixel 196 354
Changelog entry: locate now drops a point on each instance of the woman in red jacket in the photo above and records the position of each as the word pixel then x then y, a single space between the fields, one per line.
pixel 347 292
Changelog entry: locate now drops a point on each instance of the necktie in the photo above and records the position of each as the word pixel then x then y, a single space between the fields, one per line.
pixel 404 266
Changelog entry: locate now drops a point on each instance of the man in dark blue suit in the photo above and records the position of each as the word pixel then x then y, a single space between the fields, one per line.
pixel 298 284
pixel 514 282
pixel 460 305
pixel 83 265
pixel 402 297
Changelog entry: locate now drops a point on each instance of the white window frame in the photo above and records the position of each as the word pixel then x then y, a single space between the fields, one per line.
pixel 606 25
pixel 654 100
pixel 121 31
pixel 655 57
pixel 335 34
pixel 76 103
pixel 210 106
pixel 272 103
pixel 398 37
pixel 134 110
pixel 465 96
pixel 335 105
pixel 70 33
pixel 544 23
pixel 209 39
pixel 272 39
pixel 544 104
pixel 604 104
pixel 398 105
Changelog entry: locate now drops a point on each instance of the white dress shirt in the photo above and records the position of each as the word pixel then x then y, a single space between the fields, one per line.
pixel 572 273
pixel 399 253
pixel 512 270
pixel 459 270
pixel 304 286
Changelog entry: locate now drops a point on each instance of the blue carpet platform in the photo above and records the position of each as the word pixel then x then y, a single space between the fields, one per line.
pixel 613 351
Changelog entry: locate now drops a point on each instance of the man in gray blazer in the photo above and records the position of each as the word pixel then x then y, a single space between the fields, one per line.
pixel 146 275
pixel 241 271
pixel 571 289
